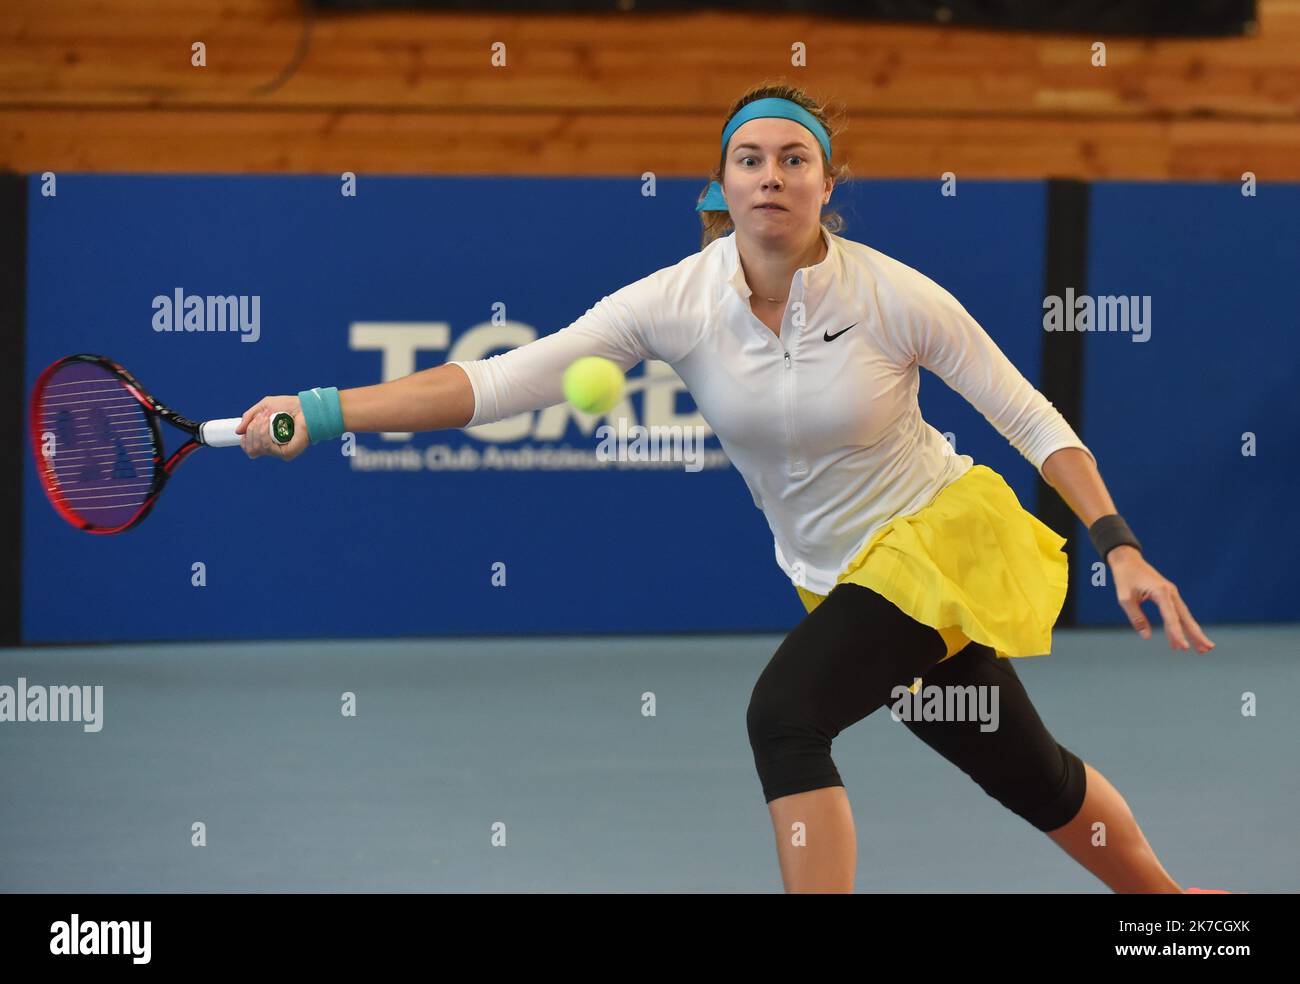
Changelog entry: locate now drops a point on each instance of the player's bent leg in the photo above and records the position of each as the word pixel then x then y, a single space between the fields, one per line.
pixel 838 665
pixel 1024 768
pixel 1014 759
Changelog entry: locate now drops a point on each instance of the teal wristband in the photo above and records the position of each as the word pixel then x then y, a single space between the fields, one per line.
pixel 322 413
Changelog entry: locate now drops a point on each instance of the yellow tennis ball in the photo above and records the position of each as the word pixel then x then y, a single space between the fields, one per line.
pixel 593 384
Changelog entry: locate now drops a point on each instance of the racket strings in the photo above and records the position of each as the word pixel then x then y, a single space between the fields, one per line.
pixel 103 454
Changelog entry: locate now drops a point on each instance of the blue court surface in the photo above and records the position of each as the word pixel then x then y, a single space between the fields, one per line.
pixel 544 744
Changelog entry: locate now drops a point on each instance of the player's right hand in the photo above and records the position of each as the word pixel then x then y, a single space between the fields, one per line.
pixel 254 428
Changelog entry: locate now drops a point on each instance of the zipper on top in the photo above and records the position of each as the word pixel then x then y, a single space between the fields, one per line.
pixel 797 465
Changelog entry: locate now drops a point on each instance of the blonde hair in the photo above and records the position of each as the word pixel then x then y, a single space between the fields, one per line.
pixel 717 224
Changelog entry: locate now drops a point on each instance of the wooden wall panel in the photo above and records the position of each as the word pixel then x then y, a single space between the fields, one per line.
pixel 108 85
pixel 625 144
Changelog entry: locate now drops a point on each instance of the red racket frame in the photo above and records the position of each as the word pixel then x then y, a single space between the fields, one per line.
pixel 154 410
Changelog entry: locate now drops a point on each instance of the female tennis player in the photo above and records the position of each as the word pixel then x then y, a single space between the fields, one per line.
pixel 801 350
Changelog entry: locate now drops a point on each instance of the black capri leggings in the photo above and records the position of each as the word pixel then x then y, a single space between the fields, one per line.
pixel 845 659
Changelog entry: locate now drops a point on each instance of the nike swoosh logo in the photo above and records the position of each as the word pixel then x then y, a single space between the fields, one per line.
pixel 829 337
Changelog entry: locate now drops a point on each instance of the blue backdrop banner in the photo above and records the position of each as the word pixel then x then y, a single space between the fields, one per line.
pixel 514 527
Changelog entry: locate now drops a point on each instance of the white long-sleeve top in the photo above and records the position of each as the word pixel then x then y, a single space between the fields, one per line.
pixel 828 435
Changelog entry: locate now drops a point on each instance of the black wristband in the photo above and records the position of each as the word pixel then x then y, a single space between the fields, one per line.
pixel 1110 532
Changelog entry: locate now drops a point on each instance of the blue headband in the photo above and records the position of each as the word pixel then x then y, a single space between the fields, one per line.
pixel 771 107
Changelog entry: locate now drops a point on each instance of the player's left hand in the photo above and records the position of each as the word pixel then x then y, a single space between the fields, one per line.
pixel 1136 582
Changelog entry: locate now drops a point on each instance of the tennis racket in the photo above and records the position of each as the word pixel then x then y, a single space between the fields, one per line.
pixel 98 447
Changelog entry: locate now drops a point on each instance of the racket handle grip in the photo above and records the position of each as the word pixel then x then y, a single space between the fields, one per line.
pixel 221 433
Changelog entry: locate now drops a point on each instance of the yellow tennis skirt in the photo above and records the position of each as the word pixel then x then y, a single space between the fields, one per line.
pixel 973 564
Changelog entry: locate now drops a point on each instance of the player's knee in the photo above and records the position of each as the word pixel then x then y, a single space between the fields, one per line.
pixel 1048 798
pixel 767 717
pixel 792 752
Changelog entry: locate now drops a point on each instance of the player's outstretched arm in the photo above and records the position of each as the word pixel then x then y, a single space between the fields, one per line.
pixel 432 399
